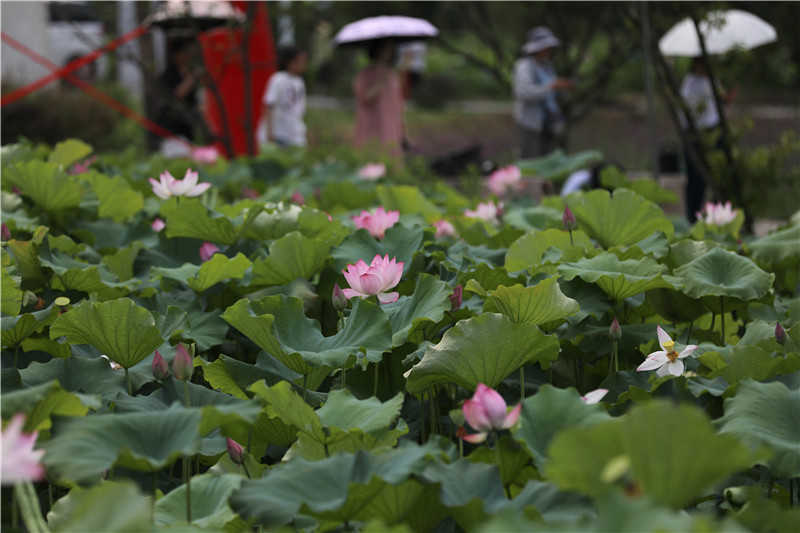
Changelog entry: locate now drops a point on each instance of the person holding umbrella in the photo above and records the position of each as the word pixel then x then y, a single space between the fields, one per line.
pixel 536 85
pixel 379 100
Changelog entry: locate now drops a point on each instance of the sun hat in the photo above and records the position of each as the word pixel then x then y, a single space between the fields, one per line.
pixel 540 38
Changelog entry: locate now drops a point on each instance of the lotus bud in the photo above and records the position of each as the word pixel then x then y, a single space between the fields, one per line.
pixel 615 330
pixel 4 232
pixel 207 251
pixel 456 297
pixel 157 225
pixel 235 452
pixel 780 334
pixel 160 367
pixel 182 364
pixel 338 298
pixel 568 220
pixel 298 198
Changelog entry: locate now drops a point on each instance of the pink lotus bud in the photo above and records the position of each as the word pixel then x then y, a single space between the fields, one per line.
pixel 158 225
pixel 249 192
pixel 339 299
pixel 372 171
pixel 487 411
pixel 615 330
pixel 780 334
pixel 182 364
pixel 444 229
pixel 19 462
pixel 207 251
pixel 4 232
pixel 235 451
pixel 488 211
pixel 455 298
pixel 505 179
pixel 568 220
pixel 298 198
pixel 160 367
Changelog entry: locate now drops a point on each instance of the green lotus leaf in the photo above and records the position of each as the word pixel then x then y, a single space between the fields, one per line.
pixel 621 219
pixel 674 305
pixel 83 448
pixel 26 259
pixel 44 401
pixel 489 277
pixel 408 200
pixel 399 241
pixel 591 299
pixel 46 184
pixel 219 268
pixel 346 196
pixel 767 414
pixel 290 257
pixel 485 349
pixel 277 324
pixel 188 217
pixel 611 178
pixel 550 411
pixel 686 250
pixel 482 233
pixel 514 461
pixel 273 224
pixel 77 374
pixel 110 507
pixel 120 263
pixel 527 251
pixel 534 218
pixel 16 329
pixel 544 303
pixel 117 200
pixel 431 298
pixel 11 295
pixel 723 273
pixel 120 329
pixel 778 248
pixel 209 502
pixel 556 166
pixel 655 440
pixel 85 277
pixel 656 246
pixel 555 505
pixel 410 503
pixel 618 279
pixel 67 152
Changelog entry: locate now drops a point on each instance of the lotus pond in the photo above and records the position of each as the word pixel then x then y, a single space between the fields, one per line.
pixel 280 344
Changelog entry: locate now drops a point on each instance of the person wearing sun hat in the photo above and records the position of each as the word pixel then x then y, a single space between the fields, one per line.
pixel 536 85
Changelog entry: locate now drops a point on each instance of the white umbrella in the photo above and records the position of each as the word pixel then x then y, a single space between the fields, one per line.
pixel 723 31
pixel 182 13
pixel 394 27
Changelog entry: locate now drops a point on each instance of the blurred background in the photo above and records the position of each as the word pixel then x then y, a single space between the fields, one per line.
pixel 463 98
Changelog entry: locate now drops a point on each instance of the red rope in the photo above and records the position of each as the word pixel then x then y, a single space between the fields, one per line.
pixel 72 66
pixel 91 90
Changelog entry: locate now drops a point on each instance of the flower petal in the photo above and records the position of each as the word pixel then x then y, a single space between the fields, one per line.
pixel 675 368
pixel 388 297
pixel 350 293
pixel 494 404
pixel 369 283
pixel 198 189
pixel 594 396
pixel 475 438
pixel 650 364
pixel 476 415
pixel 512 417
pixel 688 350
pixel 662 337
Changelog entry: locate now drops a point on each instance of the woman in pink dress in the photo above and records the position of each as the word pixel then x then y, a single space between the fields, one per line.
pixel 379 101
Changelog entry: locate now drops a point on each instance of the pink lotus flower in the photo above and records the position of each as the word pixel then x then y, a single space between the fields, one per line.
pixel 456 297
pixel 167 185
pixel 568 220
pixel 505 179
pixel 207 155
pixel 718 214
pixel 5 233
pixel 487 411
pixel 444 229
pixel 780 334
pixel 80 168
pixel 488 211
pixel 615 331
pixel 249 192
pixel 298 198
pixel 157 225
pixel 667 360
pixel 594 396
pixel 372 171
pixel 19 461
pixel 375 279
pixel 377 223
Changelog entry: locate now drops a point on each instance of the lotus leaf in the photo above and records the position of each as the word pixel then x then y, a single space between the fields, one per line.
pixel 618 279
pixel 544 303
pixel 290 257
pixel 485 349
pixel 723 273
pixel 431 298
pixel 557 165
pixel 527 251
pixel 779 248
pixel 619 220
pixel 46 184
pixel 110 507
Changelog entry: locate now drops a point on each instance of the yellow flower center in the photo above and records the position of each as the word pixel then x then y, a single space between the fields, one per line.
pixel 669 347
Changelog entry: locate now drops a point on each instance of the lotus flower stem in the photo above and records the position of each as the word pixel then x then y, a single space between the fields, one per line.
pixel 14 510
pixel 28 505
pixel 433 411
pixel 128 381
pixel 344 378
pixel 689 335
pixel 375 387
pixel 16 354
pixel 305 386
pixel 188 475
pixel 496 439
pixel 521 383
pixel 154 488
pixel 246 471
pixel 422 419
pixel 722 318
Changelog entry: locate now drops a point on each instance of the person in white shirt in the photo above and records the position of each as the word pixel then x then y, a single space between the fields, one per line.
pixel 698 94
pixel 285 101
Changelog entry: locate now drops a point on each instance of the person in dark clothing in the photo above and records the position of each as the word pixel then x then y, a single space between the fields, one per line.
pixel 178 112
